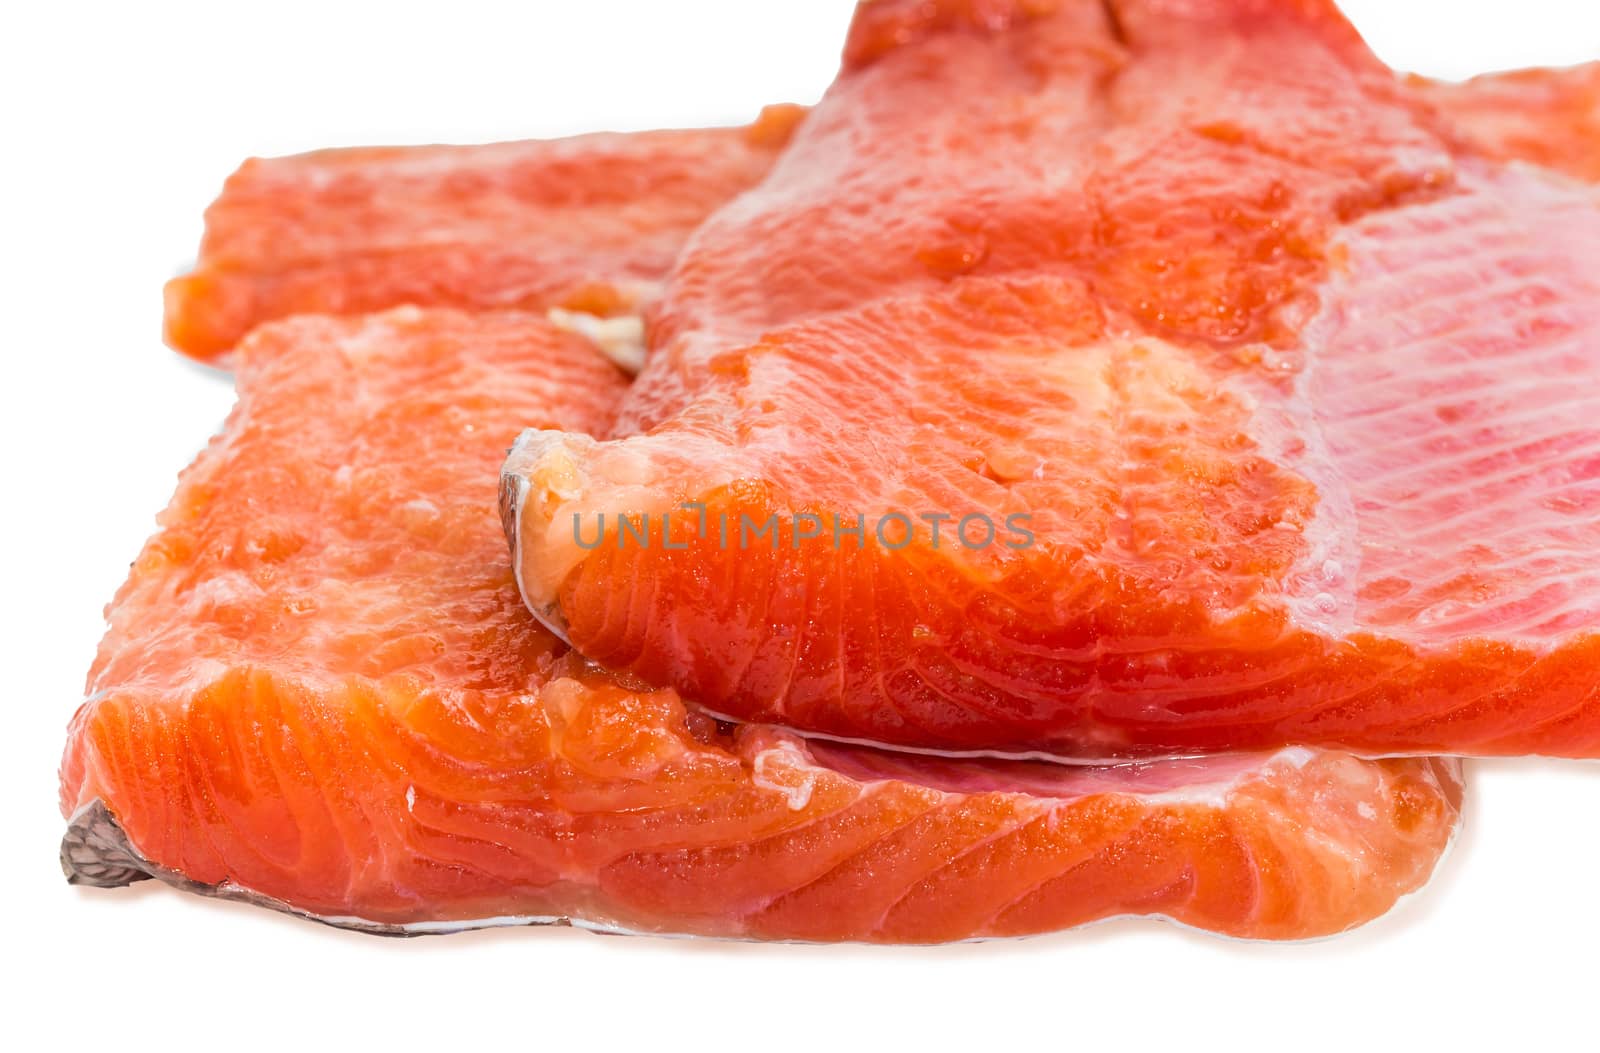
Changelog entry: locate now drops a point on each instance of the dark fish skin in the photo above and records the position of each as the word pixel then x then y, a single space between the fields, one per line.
pixel 95 852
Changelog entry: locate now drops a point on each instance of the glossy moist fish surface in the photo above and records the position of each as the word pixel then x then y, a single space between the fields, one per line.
pixel 1289 383
pixel 320 691
pixel 589 224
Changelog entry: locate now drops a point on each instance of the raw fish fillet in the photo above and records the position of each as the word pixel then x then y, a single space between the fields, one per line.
pixel 1549 117
pixel 320 691
pixel 589 224
pixel 1292 389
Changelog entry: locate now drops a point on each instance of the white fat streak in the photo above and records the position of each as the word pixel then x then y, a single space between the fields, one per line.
pixel 786 769
pixel 375 337
pixel 619 339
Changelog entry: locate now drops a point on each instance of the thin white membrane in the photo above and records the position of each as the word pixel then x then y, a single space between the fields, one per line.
pixel 1042 756
pixel 1447 414
pixel 1161 781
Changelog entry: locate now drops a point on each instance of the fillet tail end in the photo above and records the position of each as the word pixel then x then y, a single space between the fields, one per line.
pixel 96 852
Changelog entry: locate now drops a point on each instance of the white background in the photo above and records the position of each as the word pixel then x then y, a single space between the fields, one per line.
pixel 120 124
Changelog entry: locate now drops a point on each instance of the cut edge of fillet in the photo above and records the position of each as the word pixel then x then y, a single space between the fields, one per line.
pixel 96 853
pixel 545 457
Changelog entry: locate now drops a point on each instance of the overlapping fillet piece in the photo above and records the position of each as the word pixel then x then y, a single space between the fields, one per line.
pixel 1291 384
pixel 320 690
pixel 589 224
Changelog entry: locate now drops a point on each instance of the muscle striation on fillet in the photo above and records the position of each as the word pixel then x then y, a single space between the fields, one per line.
pixel 588 225
pixel 1286 373
pixel 320 691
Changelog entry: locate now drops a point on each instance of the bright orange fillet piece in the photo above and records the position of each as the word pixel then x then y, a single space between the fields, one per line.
pixel 1292 389
pixel 321 691
pixel 588 224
